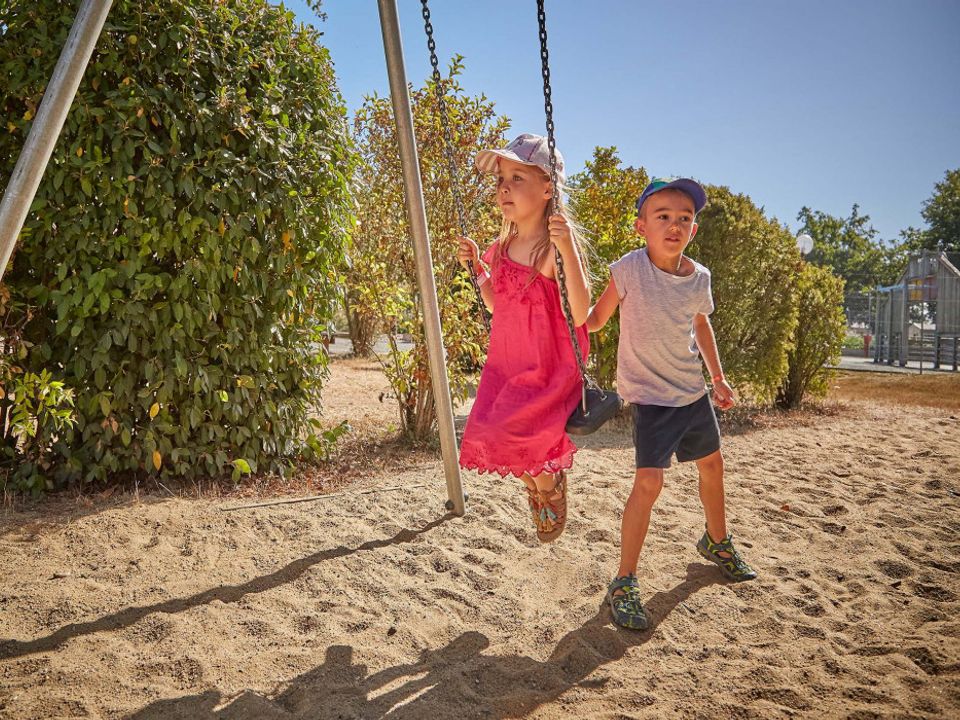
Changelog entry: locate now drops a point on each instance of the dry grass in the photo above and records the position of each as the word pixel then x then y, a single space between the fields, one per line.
pixel 934 389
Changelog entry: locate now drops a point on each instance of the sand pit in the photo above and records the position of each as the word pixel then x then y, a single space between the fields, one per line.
pixel 380 605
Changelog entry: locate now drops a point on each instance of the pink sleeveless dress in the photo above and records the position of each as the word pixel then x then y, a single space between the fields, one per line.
pixel 530 383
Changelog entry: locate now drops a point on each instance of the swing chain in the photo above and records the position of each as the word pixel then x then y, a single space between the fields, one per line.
pixel 448 149
pixel 555 199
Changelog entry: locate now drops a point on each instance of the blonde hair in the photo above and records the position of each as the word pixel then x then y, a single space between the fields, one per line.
pixel 508 230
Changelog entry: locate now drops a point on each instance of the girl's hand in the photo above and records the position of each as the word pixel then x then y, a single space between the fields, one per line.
pixel 723 396
pixel 468 254
pixel 560 232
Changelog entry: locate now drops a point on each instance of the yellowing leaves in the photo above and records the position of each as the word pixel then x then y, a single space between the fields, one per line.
pixel 11 127
pixel 157 459
pixel 154 410
pixel 222 227
pixel 27 115
pixel 285 237
pixel 79 152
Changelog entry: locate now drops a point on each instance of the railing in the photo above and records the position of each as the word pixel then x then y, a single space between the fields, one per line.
pixel 946 351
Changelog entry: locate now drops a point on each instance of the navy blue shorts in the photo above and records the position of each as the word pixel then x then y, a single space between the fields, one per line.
pixel 690 431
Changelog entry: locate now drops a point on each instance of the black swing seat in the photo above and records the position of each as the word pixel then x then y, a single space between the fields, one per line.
pixel 602 405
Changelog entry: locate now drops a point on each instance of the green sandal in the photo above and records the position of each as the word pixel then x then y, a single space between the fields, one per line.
pixel 627 607
pixel 732 566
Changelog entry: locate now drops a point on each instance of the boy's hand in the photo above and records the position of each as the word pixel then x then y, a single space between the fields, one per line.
pixel 723 396
pixel 560 232
pixel 468 254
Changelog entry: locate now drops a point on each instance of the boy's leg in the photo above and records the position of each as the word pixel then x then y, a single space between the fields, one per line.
pixel 711 494
pixel 647 484
pixel 716 545
pixel 623 594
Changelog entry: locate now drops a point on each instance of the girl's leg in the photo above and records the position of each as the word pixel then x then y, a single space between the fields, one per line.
pixel 545 482
pixel 711 495
pixel 548 502
pixel 647 484
pixel 528 481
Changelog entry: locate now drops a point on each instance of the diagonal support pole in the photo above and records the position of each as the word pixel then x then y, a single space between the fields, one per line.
pixel 62 88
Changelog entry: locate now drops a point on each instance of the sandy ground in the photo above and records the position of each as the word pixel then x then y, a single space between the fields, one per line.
pixel 381 605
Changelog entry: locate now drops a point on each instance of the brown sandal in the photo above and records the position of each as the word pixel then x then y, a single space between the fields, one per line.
pixel 549 509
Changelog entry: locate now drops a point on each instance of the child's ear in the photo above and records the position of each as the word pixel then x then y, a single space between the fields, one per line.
pixel 693 231
pixel 638 225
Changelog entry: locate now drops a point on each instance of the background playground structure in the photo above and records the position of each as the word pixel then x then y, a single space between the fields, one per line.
pixel 918 318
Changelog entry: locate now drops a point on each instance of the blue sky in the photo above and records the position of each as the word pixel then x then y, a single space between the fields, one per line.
pixel 815 103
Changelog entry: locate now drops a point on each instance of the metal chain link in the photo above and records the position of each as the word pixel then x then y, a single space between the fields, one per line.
pixel 448 147
pixel 555 200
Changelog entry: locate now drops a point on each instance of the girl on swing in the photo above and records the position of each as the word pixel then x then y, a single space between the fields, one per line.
pixel 531 381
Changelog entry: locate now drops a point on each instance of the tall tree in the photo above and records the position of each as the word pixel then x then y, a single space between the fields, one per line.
pixel 382 278
pixel 849 246
pixel 942 212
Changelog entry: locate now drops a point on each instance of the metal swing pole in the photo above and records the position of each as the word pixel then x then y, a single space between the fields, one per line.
pixel 413 191
pixel 57 99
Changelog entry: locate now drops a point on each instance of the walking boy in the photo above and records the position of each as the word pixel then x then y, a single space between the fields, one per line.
pixel 665 300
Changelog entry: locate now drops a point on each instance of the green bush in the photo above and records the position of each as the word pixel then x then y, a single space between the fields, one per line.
pixel 818 336
pixel 182 253
pixel 852 341
pixel 752 260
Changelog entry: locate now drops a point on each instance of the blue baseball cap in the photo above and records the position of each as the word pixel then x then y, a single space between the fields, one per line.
pixel 690 187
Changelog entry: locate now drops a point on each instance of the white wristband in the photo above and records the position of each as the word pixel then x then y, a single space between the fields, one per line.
pixel 482 277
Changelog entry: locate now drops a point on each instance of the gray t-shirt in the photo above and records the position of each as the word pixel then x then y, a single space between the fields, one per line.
pixel 658 362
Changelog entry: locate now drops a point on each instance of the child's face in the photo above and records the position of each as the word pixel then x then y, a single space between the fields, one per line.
pixel 666 220
pixel 522 190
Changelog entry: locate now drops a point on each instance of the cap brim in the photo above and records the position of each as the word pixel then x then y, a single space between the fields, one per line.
pixel 486 162
pixel 691 188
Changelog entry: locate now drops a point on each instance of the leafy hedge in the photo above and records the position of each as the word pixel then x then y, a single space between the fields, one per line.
pixel 603 200
pixel 818 336
pixel 752 260
pixel 180 259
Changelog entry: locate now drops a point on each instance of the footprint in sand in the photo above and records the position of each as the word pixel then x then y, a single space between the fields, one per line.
pixel 834 510
pixel 894 569
pixel 833 528
pixel 933 592
pixel 599 536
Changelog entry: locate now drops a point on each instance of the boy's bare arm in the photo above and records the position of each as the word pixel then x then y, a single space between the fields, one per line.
pixel 601 312
pixel 707 342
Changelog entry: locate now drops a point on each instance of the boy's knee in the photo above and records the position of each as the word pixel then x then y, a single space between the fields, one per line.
pixel 647 484
pixel 712 463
